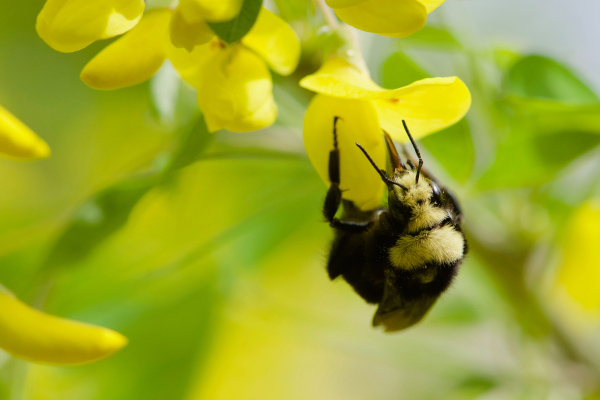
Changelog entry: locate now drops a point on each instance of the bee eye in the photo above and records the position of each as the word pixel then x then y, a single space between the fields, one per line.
pixel 436 193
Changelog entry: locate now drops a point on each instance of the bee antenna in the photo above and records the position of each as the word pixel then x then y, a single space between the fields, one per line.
pixel 335 120
pixel 381 172
pixel 416 150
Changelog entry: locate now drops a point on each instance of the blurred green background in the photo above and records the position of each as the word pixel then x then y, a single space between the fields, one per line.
pixel 208 251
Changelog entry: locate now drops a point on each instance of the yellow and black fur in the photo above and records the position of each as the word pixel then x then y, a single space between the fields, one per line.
pixel 403 257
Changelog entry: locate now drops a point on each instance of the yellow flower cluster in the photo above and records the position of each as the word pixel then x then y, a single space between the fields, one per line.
pixel 233 81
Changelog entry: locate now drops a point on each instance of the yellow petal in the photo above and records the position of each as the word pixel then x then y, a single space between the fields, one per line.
pixel 343 3
pixel 431 5
pixel 275 41
pixel 35 336
pixel 579 273
pixel 337 77
pixel 427 106
pixel 188 33
pixel 237 92
pixel 359 180
pixel 191 65
pixel 71 25
pixel 394 18
pixel 17 141
pixel 133 58
pixel 211 10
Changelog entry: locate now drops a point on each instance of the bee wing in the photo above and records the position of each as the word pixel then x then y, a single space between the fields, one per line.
pixel 395 313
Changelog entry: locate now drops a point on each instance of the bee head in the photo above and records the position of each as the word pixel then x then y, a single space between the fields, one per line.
pixel 408 195
pixel 413 197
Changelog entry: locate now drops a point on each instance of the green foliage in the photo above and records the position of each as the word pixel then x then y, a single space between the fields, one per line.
pixel 193 143
pixel 525 160
pixel 97 219
pixel 400 70
pixel 453 149
pixel 543 78
pixel 432 37
pixel 234 30
pixel 553 120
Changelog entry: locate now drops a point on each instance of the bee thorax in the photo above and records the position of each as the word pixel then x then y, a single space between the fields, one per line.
pixel 443 245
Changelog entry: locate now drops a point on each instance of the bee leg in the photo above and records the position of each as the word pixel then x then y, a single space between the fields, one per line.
pixel 334 194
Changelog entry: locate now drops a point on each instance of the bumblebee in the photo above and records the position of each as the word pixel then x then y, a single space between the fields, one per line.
pixel 402 257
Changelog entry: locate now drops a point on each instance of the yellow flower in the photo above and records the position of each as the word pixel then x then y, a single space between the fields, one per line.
pixel 365 108
pixel 35 336
pixel 17 141
pixel 579 273
pixel 394 18
pixel 234 84
pixel 233 81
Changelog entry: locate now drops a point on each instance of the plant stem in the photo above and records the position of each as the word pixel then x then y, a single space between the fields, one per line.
pixel 327 14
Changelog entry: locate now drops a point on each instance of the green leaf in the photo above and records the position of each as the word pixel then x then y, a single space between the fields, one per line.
pixel 193 143
pixel 234 30
pixel 453 149
pixel 543 78
pixel 525 160
pixel 399 70
pixel 97 219
pixel 430 36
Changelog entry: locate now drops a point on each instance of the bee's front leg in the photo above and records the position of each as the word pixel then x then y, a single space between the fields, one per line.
pixel 334 194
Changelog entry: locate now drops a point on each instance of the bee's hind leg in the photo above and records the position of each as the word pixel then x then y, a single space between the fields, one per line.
pixel 334 194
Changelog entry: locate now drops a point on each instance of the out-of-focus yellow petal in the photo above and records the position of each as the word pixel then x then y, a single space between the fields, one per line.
pixel 211 10
pixel 35 336
pixel 431 5
pixel 192 65
pixel 188 33
pixel 579 273
pixel 359 181
pixel 427 106
pixel 133 58
pixel 394 18
pixel 237 92
pixel 71 25
pixel 337 77
pixel 17 141
pixel 343 3
pixel 275 41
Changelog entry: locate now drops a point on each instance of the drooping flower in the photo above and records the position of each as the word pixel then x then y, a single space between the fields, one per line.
pixel 394 18
pixel 233 81
pixel 19 142
pixel 365 109
pixel 36 336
